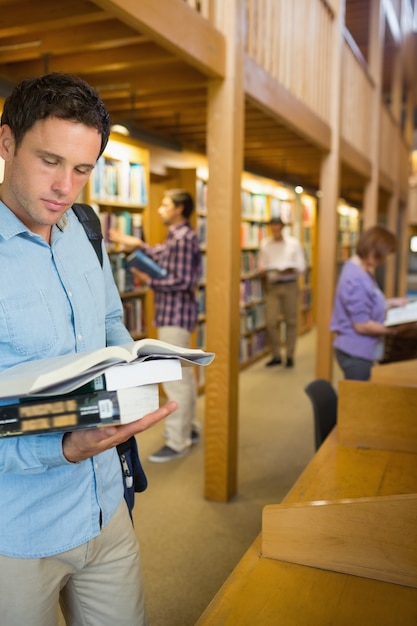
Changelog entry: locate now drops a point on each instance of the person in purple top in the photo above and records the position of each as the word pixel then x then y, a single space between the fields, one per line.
pixel 360 306
pixel 176 310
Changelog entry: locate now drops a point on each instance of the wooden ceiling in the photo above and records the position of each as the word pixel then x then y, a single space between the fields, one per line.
pixel 147 85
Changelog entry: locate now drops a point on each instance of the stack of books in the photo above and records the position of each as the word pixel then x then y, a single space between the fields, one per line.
pixel 112 385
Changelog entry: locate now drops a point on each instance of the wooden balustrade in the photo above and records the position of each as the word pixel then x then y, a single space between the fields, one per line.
pixel 388 148
pixel 292 42
pixel 357 90
pixel 204 7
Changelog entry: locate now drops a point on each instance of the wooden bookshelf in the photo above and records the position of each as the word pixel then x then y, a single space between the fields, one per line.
pixel 307 227
pixel 348 230
pixel 119 191
pixel 263 199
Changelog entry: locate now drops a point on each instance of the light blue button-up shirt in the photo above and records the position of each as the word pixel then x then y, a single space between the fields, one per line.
pixel 53 300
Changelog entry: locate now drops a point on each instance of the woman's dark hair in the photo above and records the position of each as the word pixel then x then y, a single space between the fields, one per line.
pixel 181 197
pixel 64 96
pixel 378 241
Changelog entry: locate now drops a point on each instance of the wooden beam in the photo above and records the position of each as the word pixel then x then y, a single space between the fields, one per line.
pixel 327 217
pixel 376 37
pixel 225 163
pixel 176 27
pixel 351 157
pixel 268 94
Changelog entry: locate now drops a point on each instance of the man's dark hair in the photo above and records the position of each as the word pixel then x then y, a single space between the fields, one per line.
pixel 64 96
pixel 182 197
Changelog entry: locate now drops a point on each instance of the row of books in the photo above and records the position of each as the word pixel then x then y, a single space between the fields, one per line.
pixel 203 276
pixel 252 318
pixel 283 209
pixel 201 299
pixel 119 181
pixel 124 222
pixel 201 193
pixel 202 229
pixel 249 261
pixel 134 316
pixel 122 276
pixel 252 346
pixel 251 291
pixel 306 298
pixel 254 206
pixel 201 335
pixel 251 234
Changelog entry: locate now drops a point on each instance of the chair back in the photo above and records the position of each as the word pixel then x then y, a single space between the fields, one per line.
pixel 324 400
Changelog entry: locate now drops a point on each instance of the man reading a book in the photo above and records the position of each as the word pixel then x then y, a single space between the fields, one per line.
pixel 65 531
pixel 176 310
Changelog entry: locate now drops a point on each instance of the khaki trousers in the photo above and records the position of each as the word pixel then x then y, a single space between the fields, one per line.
pixel 281 299
pixel 98 583
pixel 178 425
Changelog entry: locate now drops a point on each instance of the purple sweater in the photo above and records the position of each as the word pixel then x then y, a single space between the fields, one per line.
pixel 358 299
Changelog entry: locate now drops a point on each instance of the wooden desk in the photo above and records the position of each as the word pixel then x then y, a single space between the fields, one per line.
pixel 398 373
pixel 267 592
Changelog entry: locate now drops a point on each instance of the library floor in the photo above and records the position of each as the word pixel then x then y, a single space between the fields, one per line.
pixel 190 545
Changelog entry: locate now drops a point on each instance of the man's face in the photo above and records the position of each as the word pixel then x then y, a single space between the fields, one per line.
pixel 276 231
pixel 170 214
pixel 45 175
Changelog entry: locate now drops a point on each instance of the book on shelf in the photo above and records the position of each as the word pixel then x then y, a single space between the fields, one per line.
pixel 67 412
pixel 63 374
pixel 406 314
pixel 141 261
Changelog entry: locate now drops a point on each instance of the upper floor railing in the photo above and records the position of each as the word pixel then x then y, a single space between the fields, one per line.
pixel 292 41
pixel 356 100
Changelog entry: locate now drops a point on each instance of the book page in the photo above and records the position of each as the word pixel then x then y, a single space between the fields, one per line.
pixel 154 347
pixel 402 314
pixel 32 376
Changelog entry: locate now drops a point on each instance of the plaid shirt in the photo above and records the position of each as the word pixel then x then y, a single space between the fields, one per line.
pixel 175 295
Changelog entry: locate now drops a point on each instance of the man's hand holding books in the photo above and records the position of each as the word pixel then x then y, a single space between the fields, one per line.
pixel 79 445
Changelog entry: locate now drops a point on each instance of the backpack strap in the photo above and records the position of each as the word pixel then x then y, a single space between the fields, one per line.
pixel 92 226
pixel 134 478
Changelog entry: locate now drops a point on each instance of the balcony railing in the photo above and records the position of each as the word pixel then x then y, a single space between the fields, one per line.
pixel 356 109
pixel 292 42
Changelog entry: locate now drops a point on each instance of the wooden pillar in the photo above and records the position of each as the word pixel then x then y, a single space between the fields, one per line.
pixel 225 162
pixel 393 222
pixel 406 211
pixel 327 222
pixel 376 39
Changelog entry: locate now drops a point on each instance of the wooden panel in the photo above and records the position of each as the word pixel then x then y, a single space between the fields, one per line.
pixel 400 373
pixel 157 18
pixel 260 589
pixel 377 416
pixel 370 537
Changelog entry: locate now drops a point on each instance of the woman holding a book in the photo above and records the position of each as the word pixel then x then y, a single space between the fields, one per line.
pixel 360 306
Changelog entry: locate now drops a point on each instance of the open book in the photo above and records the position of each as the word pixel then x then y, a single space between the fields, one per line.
pixel 63 374
pixel 402 314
